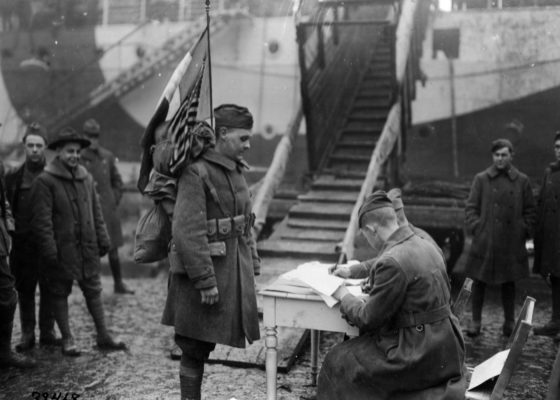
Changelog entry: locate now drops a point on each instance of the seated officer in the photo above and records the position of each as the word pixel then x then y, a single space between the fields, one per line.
pixel 410 345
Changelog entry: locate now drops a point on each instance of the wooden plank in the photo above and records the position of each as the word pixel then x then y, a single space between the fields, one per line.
pixel 323 251
pixel 312 234
pixel 331 183
pixel 330 196
pixel 291 342
pixel 318 224
pixel 322 210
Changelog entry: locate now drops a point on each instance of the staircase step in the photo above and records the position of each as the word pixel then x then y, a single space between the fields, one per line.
pixel 329 182
pixel 368 116
pixel 368 103
pixel 315 235
pixel 365 142
pixel 339 211
pixel 327 196
pixel 323 251
pixel 313 223
pixel 347 173
pixel 376 83
pixel 351 153
pixel 358 129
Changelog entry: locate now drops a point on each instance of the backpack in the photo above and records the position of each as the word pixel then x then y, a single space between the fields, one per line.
pixel 153 234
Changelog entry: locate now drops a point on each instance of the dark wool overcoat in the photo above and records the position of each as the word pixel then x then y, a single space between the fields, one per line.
pixel 102 165
pixel 203 259
pixel 23 260
pixel 391 360
pixel 547 230
pixel 67 221
pixel 500 214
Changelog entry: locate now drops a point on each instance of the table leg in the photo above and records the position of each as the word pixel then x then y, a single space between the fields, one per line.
pixel 315 338
pixel 271 342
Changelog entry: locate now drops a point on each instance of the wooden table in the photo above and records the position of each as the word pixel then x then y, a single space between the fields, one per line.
pixel 307 311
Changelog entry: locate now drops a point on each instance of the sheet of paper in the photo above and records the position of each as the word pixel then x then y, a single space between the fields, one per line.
pixel 316 276
pixel 488 369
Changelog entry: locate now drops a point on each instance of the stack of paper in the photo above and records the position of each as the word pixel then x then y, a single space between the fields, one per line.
pixel 314 277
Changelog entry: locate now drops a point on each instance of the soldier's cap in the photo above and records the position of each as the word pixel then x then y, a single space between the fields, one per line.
pixel 374 201
pixel 91 127
pixel 36 129
pixel 395 196
pixel 233 116
pixel 500 144
pixel 68 135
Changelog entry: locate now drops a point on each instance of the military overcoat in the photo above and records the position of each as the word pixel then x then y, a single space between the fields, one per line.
pixel 102 165
pixel 67 221
pixel 206 253
pixel 547 230
pixel 500 214
pixel 410 345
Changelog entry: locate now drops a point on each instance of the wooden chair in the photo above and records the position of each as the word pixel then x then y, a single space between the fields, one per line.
pixel 515 344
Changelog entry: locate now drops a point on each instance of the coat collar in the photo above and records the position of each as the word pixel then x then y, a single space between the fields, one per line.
pixel 213 156
pixel 56 168
pixel 400 235
pixel 512 173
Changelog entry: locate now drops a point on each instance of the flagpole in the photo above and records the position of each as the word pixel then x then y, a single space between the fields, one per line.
pixel 209 62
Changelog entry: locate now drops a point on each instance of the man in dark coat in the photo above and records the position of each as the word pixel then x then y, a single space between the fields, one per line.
pixel 410 344
pixel 102 165
pixel 547 239
pixel 71 236
pixel 25 264
pixel 500 214
pixel 213 258
pixel 8 293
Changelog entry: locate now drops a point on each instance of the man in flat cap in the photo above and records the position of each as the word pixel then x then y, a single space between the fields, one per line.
pixel 213 260
pixel 410 344
pixel 102 165
pixel 363 269
pixel 71 236
pixel 499 213
pixel 25 264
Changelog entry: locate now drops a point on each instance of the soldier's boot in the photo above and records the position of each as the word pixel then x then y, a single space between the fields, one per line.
pixel 508 303
pixel 115 264
pixel 60 310
pixel 104 340
pixel 552 328
pixel 475 325
pixel 27 318
pixel 8 358
pixel 46 322
pixel 190 378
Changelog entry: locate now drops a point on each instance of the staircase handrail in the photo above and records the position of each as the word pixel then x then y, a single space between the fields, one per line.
pixel 392 128
pixel 275 172
pixel 143 69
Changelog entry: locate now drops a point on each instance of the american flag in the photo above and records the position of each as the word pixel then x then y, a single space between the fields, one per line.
pixel 186 98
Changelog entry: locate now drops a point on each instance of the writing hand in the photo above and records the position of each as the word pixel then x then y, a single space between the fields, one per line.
pixel 209 296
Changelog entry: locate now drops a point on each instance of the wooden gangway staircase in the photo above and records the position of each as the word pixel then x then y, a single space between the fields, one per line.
pixel 315 226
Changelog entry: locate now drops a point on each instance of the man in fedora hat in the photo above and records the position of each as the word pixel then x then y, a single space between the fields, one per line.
pixel 410 344
pixel 102 165
pixel 67 219
pixel 25 264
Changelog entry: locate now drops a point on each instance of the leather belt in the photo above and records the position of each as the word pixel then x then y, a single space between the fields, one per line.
pixel 226 228
pixel 406 320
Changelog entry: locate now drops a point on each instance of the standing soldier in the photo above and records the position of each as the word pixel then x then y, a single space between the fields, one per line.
pixel 67 219
pixel 211 297
pixel 101 164
pixel 25 264
pixel 547 239
pixel 500 213
pixel 8 293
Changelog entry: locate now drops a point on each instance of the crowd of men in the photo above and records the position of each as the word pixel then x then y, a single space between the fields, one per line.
pixel 410 344
pixel 58 218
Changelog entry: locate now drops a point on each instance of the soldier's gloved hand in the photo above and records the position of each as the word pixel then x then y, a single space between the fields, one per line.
pixel 209 296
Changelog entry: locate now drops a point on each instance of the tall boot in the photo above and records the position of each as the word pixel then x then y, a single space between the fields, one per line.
pixel 115 264
pixel 60 310
pixel 46 320
pixel 552 327
pixel 475 325
pixel 104 340
pixel 190 378
pixel 27 318
pixel 7 357
pixel 508 303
